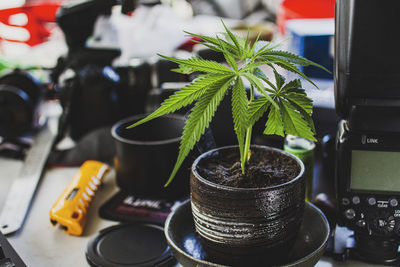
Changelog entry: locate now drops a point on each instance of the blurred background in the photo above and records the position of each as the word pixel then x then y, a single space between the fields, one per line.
pixel 105 50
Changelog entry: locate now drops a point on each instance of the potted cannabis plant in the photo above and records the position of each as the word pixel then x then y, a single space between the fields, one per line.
pixel 246 200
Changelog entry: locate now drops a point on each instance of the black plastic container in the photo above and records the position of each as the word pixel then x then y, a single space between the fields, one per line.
pixel 146 154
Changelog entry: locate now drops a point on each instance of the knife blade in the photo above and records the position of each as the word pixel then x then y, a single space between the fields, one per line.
pixel 25 184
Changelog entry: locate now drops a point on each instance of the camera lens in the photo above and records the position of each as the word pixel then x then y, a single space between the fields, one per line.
pixel 20 95
pixel 16 111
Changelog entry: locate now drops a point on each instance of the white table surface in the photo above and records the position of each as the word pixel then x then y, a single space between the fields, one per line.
pixel 40 244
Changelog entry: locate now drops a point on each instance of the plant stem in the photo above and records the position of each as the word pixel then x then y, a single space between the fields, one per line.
pixel 247 144
pixel 246 152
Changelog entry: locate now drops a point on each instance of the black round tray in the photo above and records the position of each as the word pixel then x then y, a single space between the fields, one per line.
pixel 187 248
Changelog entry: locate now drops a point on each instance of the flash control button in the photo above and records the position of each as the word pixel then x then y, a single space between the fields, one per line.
pixel 391 224
pixel 350 214
pixel 356 200
pixel 345 201
pixel 361 223
pixel 381 222
pixel 393 202
pixel 371 201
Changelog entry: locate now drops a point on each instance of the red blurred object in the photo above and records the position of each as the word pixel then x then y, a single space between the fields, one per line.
pixel 38 14
pixel 304 9
pixel 188 45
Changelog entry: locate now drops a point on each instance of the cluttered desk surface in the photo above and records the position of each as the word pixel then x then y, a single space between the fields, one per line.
pixel 99 79
pixel 39 243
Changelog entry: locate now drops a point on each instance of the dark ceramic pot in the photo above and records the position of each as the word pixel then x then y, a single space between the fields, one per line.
pixel 146 154
pixel 237 225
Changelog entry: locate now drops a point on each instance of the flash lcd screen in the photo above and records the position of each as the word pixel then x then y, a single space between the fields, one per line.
pixel 375 170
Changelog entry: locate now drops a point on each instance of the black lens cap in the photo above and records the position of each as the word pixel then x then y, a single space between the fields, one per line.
pixel 136 244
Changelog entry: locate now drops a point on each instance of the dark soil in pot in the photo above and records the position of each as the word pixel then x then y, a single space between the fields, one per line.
pixel 265 168
pixel 247 220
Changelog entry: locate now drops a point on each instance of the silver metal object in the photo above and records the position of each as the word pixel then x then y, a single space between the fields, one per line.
pixel 24 186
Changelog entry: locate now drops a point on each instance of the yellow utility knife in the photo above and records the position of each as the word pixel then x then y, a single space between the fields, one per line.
pixel 71 208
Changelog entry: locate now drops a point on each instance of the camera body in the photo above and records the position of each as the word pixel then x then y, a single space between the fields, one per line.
pixel 367 98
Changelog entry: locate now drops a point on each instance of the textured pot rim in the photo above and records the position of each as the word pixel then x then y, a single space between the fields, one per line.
pixel 241 189
pixel 118 124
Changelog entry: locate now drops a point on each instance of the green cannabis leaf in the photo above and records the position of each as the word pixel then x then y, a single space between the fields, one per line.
pixel 289 109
